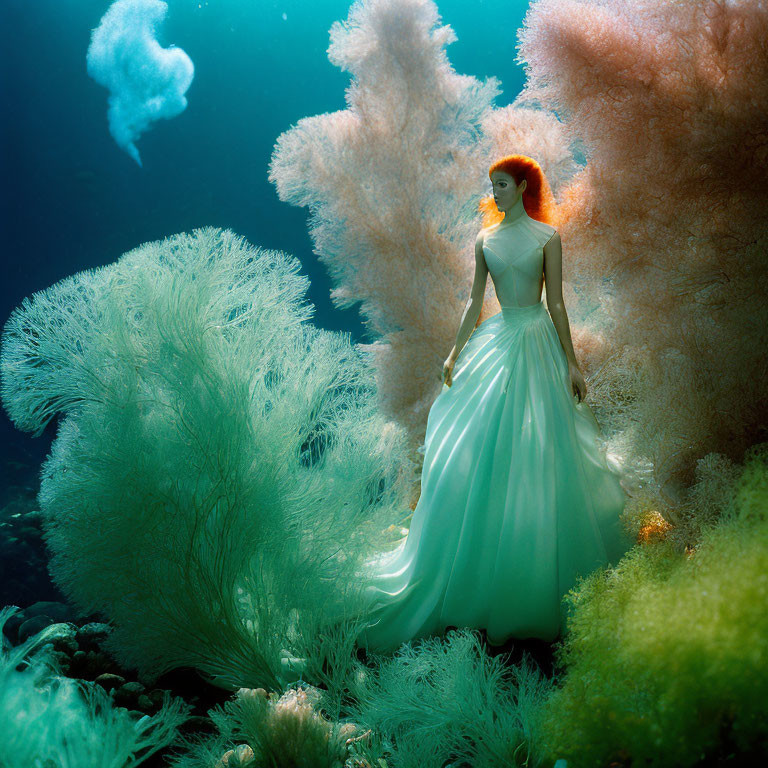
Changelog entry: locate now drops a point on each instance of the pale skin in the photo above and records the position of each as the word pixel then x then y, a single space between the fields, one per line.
pixel 508 197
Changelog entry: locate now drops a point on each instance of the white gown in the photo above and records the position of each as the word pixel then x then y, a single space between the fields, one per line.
pixel 517 501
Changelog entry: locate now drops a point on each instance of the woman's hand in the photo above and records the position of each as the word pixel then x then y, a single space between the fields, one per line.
pixel 578 385
pixel 450 361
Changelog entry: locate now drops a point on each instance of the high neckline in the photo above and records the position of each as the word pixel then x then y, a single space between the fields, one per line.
pixel 518 206
pixel 502 227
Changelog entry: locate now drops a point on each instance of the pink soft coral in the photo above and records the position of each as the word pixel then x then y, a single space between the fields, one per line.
pixel 393 182
pixel 669 101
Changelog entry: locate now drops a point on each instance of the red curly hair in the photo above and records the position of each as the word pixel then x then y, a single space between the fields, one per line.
pixel 538 200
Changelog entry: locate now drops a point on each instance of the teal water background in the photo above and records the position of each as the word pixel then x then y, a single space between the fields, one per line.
pixel 72 199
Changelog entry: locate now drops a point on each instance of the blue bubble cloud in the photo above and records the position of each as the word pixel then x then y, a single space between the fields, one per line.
pixel 146 82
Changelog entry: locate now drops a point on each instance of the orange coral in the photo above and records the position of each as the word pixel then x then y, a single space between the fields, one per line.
pixel 655 528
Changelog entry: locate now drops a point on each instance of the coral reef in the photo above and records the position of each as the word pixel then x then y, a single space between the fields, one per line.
pixel 667 102
pixel 49 719
pixel 220 472
pixel 665 656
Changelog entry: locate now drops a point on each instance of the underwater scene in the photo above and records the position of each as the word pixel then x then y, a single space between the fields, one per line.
pixel 384 384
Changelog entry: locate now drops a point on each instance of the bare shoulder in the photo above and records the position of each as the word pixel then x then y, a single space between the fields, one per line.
pixel 485 231
pixel 554 237
pixel 479 251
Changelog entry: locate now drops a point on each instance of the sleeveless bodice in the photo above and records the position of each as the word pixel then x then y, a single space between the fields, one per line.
pixel 514 255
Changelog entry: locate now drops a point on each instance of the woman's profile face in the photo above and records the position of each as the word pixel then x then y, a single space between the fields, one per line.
pixel 505 190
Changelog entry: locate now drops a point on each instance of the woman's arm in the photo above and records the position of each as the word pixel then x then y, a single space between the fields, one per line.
pixel 553 279
pixel 475 303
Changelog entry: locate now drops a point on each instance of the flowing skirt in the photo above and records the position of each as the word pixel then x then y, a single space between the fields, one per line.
pixel 517 499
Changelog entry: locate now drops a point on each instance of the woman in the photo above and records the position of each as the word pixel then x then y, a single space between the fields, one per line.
pixel 517 501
